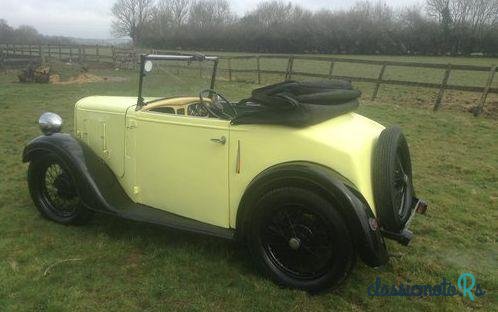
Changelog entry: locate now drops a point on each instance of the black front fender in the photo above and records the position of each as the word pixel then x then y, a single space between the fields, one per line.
pixel 92 177
pixel 368 239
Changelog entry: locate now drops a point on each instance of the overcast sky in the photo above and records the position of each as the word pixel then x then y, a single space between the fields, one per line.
pixel 92 19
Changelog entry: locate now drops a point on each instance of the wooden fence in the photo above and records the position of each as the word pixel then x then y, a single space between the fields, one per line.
pixel 70 53
pixel 127 58
pixel 330 62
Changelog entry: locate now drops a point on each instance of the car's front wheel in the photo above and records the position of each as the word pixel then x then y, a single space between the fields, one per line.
pixel 300 239
pixel 53 190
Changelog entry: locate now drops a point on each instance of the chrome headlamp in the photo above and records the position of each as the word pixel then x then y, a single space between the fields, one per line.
pixel 50 123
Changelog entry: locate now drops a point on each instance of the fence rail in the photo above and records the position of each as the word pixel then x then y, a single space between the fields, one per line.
pixel 127 58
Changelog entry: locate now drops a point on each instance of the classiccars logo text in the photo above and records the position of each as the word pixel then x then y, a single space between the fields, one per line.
pixel 466 286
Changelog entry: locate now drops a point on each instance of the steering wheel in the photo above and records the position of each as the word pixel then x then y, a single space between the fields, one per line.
pixel 216 107
pixel 197 109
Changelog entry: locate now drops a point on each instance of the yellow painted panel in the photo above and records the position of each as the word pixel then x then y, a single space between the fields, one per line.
pixel 169 161
pixel 344 144
pixel 179 168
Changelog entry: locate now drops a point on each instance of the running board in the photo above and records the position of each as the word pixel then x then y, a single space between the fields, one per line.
pixel 147 214
pixel 112 199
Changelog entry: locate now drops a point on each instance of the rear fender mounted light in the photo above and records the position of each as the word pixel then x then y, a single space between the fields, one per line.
pixel 374 225
pixel 421 207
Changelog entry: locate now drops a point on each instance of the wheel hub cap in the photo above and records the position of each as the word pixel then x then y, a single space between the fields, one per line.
pixel 64 187
pixel 294 243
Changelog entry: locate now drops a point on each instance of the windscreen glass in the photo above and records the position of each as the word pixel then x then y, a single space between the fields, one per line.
pixel 164 79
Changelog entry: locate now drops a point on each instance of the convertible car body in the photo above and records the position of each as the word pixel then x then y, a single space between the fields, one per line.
pixel 306 198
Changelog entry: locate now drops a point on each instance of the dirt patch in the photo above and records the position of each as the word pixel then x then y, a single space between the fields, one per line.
pixel 84 78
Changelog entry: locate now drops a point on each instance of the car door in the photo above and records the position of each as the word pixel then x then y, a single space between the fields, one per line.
pixel 181 165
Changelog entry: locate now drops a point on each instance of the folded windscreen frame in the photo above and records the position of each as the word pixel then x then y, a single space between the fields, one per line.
pixel 164 76
pixel 298 103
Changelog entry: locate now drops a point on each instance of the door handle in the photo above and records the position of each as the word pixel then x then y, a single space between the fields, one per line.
pixel 221 140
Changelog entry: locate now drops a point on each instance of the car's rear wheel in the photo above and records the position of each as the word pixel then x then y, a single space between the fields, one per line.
pixel 54 192
pixel 392 179
pixel 300 239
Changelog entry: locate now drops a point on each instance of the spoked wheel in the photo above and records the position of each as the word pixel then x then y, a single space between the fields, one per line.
pixel 54 192
pixel 300 240
pixel 392 179
pixel 402 187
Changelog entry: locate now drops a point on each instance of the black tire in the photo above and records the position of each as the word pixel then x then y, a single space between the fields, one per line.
pixel 291 255
pixel 53 190
pixel 392 179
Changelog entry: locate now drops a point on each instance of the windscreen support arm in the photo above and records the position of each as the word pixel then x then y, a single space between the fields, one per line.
pixel 213 76
pixel 140 101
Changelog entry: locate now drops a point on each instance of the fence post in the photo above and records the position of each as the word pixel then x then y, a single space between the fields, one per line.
pixel 40 54
pixel 113 51
pixel 480 106
pixel 379 81
pixel 437 104
pixel 290 65
pixel 59 50
pixel 71 54
pixel 258 69
pixel 13 49
pixel 97 52
pixel 229 69
pixel 331 69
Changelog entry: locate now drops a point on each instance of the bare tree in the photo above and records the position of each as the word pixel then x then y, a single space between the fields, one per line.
pixel 436 8
pixel 464 21
pixel 6 32
pixel 272 13
pixel 130 18
pixel 178 9
pixel 369 26
pixel 477 14
pixel 27 34
pixel 208 14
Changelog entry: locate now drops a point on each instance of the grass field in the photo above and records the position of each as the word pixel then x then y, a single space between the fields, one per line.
pixel 420 97
pixel 118 265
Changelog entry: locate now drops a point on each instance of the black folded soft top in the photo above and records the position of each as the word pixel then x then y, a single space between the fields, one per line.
pixel 298 103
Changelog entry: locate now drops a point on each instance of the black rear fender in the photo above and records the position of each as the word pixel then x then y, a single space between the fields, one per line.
pixel 368 239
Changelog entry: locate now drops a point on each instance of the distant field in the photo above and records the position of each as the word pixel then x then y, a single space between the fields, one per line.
pixel 401 95
pixel 398 95
pixel 414 96
pixel 127 266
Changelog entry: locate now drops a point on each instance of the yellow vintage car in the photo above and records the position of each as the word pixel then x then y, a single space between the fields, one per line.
pixel 292 171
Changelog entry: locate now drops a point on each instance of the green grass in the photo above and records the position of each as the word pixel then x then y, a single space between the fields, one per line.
pixel 123 265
